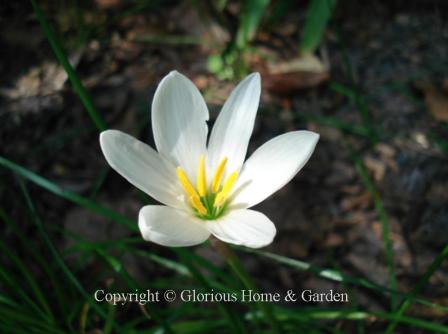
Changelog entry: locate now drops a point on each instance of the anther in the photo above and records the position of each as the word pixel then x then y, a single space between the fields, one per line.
pixel 201 180
pixel 218 175
pixel 226 189
pixel 186 184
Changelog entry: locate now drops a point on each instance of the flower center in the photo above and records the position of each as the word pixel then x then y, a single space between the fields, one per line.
pixel 208 202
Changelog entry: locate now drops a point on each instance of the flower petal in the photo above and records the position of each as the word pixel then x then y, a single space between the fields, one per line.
pixel 243 227
pixel 142 166
pixel 272 166
pixel 171 227
pixel 179 116
pixel 234 125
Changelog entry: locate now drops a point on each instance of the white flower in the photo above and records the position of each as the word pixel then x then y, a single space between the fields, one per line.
pixel 206 189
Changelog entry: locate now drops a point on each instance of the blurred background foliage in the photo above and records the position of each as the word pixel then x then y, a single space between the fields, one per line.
pixel 367 216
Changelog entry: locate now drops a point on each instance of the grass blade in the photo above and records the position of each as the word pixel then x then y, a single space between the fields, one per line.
pixel 385 225
pixel 421 283
pixel 353 93
pixel 67 272
pixel 232 318
pixel 11 282
pixel 323 120
pixel 33 284
pixel 250 19
pixel 55 189
pixel 240 272
pixel 76 82
pixel 319 314
pixel 84 202
pixel 318 15
pixel 151 309
pixel 337 276
pixel 39 259
pixel 24 322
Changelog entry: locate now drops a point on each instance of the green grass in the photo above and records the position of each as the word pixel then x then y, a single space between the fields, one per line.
pixel 192 267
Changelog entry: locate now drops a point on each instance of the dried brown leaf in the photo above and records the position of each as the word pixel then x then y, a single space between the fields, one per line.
pixel 436 100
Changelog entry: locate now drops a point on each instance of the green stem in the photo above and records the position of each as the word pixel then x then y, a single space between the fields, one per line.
pixel 421 283
pixel 76 82
pixel 238 269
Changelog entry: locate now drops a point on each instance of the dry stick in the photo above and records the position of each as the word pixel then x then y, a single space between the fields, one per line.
pixel 238 269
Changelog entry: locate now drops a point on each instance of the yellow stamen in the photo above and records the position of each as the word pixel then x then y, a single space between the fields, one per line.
pixel 188 187
pixel 191 192
pixel 201 180
pixel 224 193
pixel 218 175
pixel 197 204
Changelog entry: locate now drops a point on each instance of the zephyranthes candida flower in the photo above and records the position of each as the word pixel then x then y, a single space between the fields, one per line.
pixel 206 189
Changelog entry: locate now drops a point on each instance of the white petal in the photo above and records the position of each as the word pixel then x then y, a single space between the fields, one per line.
pixel 243 227
pixel 142 166
pixel 234 125
pixel 272 166
pixel 179 116
pixel 171 227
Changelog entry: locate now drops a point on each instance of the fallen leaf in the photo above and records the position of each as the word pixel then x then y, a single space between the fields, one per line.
pixel 376 166
pixel 361 201
pixel 286 77
pixel 334 240
pixel 46 79
pixel 305 63
pixel 105 4
pixel 436 100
